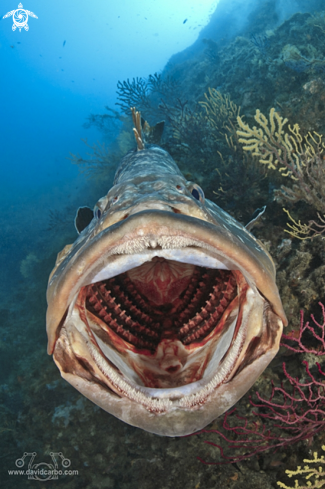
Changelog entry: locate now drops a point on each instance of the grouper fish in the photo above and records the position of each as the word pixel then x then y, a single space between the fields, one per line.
pixel 165 310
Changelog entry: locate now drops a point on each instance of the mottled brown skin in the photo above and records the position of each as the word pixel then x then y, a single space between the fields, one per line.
pixel 154 378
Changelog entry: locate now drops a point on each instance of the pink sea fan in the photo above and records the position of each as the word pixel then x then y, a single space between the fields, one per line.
pixel 294 411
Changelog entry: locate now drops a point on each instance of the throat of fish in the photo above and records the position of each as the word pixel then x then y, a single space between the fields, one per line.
pixel 164 325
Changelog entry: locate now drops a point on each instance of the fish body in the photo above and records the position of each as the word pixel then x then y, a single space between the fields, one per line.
pixel 165 310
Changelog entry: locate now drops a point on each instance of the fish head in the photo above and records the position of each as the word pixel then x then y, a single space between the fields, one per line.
pixel 165 310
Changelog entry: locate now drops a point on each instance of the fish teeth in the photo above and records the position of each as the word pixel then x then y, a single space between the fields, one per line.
pixel 126 258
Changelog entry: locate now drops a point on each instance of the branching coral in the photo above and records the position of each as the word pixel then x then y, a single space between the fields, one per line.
pixel 109 124
pixel 294 60
pixel 203 135
pixel 238 174
pixel 317 20
pixel 221 113
pixel 133 94
pixel 301 158
pixel 303 231
pixel 187 125
pixel 100 161
pixel 261 42
pixel 311 474
pixel 61 219
pixel 293 412
pixel 137 93
pixel 287 152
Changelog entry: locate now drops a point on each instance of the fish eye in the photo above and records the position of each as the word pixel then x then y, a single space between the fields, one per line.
pixel 195 194
pixel 196 191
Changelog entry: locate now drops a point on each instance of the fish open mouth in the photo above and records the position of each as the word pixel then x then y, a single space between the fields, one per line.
pixel 163 300
pixel 159 322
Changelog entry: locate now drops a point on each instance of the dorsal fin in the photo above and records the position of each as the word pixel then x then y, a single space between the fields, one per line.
pixel 143 132
pixel 136 116
pixel 152 135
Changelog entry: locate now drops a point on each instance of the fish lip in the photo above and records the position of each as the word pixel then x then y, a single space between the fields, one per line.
pixel 170 398
pixel 171 417
pixel 235 356
pixel 168 417
pixel 74 271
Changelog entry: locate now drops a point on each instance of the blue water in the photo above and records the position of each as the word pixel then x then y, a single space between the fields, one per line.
pixel 64 68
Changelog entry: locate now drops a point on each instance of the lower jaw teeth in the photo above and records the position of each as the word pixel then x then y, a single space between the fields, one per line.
pixel 173 392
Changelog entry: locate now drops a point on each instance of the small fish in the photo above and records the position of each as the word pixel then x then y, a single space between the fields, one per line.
pixel 184 21
pixel 165 310
pixel 64 43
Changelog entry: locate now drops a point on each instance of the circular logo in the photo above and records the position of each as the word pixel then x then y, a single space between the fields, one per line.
pixel 20 18
pixel 44 471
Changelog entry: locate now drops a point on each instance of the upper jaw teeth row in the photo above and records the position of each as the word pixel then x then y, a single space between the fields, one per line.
pixel 123 263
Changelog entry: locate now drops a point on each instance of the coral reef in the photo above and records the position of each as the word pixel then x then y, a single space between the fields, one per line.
pixel 294 410
pixel 294 156
pixel 143 93
pixel 101 163
pixel 222 114
pixel 314 476
pixel 303 231
pixel 300 274
pixel 109 124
